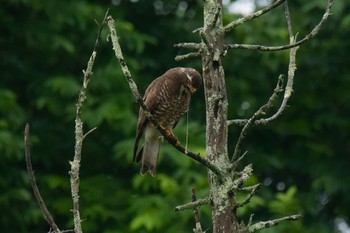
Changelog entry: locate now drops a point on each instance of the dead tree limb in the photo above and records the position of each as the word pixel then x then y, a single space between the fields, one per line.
pixel 308 37
pixel 267 224
pixel 254 15
pixel 79 134
pixel 32 179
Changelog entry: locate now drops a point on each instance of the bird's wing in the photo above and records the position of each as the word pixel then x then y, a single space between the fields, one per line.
pixel 151 100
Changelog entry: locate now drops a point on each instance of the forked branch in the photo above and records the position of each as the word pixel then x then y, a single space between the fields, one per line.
pixel 254 15
pixel 262 110
pixel 289 86
pixel 309 36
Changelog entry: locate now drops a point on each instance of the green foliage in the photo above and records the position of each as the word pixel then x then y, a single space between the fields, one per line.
pixel 301 158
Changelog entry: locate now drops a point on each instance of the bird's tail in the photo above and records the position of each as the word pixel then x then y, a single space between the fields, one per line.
pixel 150 153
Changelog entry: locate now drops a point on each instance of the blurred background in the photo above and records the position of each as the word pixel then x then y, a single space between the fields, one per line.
pixel 302 158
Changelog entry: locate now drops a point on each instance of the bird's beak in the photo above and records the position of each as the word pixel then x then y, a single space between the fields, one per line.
pixel 193 90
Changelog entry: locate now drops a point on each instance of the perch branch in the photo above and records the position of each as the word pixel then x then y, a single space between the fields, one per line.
pixel 311 35
pixel 32 179
pixel 79 134
pixel 254 15
pixel 262 110
pixel 170 138
pixel 263 225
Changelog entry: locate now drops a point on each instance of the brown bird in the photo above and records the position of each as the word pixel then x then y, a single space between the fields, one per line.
pixel 167 98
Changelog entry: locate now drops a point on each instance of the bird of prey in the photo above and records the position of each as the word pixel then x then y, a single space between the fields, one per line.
pixel 167 98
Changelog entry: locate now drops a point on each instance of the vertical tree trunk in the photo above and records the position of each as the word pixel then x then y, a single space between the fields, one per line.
pixel 216 110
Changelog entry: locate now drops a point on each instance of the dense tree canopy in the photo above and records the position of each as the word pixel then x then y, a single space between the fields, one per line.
pixel 301 158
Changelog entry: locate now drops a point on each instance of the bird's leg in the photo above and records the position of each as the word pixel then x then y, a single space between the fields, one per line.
pixel 171 135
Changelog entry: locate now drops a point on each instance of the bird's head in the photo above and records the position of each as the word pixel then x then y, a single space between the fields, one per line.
pixel 194 79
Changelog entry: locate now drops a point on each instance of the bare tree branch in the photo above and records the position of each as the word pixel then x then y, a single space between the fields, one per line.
pixel 198 228
pixel 189 45
pixel 237 161
pixel 262 110
pixel 79 137
pixel 193 204
pixel 263 225
pixel 167 135
pixel 90 131
pixel 254 188
pixel 311 35
pixel 289 85
pixel 32 179
pixel 269 104
pixel 288 92
pixel 288 19
pixel 195 209
pixel 186 56
pixel 79 134
pixel 254 15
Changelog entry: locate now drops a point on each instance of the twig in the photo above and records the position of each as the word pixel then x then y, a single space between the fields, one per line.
pixel 195 209
pixel 288 19
pixel 170 138
pixel 311 35
pixel 100 26
pixel 32 179
pixel 255 188
pixel 187 56
pixel 198 228
pixel 254 15
pixel 249 188
pixel 189 45
pixel 269 104
pixel 194 204
pixel 237 161
pixel 262 110
pixel 79 135
pixel 250 219
pixel 263 225
pixel 90 131
pixel 289 86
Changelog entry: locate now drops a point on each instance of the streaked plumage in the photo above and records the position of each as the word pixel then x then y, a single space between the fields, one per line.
pixel 168 98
